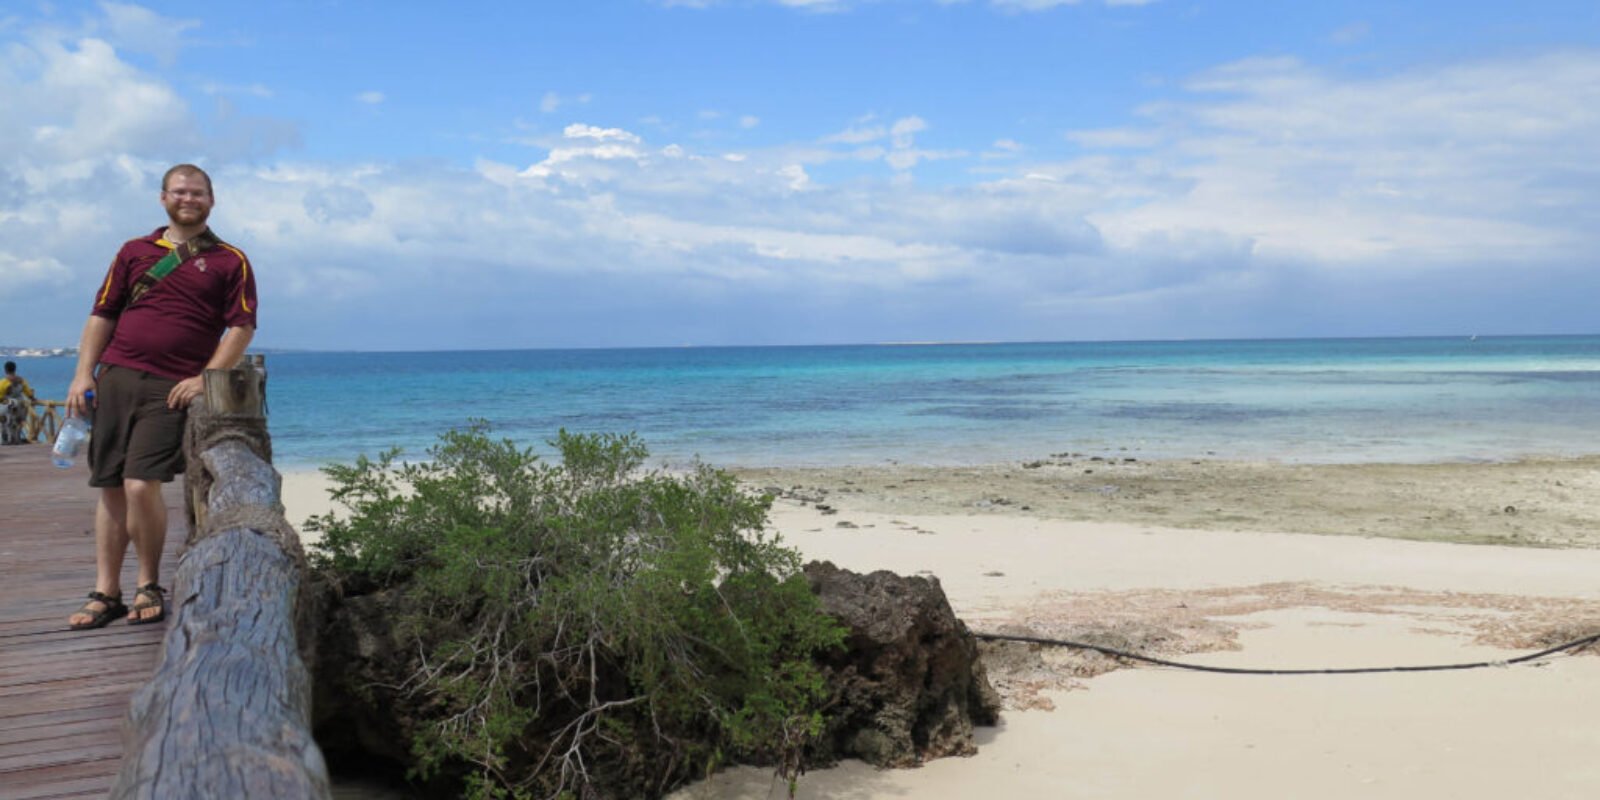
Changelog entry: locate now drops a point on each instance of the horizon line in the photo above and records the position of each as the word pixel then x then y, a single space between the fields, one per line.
pixel 906 343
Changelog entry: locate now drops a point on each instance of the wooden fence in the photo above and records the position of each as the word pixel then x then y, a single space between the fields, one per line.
pixel 43 427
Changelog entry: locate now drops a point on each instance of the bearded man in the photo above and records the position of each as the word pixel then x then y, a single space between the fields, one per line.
pixel 173 304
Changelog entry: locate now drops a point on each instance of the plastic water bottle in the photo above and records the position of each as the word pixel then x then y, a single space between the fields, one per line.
pixel 69 441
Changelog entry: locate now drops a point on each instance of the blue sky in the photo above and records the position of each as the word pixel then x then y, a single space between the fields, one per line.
pixel 410 175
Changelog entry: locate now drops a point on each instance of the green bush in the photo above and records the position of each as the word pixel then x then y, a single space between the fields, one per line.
pixel 583 627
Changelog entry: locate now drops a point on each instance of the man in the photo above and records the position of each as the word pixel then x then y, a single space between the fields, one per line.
pixel 16 400
pixel 174 304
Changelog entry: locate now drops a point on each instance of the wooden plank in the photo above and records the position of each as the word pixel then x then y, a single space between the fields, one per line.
pixel 19 762
pixel 21 724
pixel 11 734
pixel 63 694
pixel 34 784
pixel 113 637
pixel 73 744
pixel 54 667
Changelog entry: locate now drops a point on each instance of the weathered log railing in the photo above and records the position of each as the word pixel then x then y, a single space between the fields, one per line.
pixel 228 710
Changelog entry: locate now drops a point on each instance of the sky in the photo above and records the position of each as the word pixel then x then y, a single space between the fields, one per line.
pixel 616 173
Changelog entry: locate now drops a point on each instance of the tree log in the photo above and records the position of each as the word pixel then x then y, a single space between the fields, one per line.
pixel 228 711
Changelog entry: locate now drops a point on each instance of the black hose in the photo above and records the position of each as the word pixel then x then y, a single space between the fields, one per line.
pixel 1111 651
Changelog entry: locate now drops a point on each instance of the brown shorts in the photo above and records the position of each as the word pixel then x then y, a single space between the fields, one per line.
pixel 135 435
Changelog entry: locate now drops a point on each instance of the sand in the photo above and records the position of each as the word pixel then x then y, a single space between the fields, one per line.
pixel 1258 565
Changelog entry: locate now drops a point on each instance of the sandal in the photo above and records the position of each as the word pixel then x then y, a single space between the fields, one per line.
pixel 158 600
pixel 110 608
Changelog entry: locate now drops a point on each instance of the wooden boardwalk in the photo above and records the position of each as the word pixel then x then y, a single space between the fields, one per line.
pixel 63 694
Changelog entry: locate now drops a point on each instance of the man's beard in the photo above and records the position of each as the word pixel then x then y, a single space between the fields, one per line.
pixel 201 215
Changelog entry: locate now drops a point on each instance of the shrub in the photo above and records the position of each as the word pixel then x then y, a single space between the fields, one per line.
pixel 587 627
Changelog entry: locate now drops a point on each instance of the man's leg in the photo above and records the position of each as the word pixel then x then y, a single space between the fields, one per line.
pixel 147 526
pixel 110 547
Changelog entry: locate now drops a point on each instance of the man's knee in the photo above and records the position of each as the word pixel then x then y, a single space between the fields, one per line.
pixel 138 490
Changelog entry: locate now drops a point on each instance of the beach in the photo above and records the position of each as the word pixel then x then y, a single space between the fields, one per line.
pixel 1228 563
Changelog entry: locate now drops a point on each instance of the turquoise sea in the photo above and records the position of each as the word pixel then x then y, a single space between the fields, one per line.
pixel 1312 400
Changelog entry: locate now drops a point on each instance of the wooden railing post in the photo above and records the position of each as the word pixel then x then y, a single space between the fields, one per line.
pixel 43 427
pixel 228 711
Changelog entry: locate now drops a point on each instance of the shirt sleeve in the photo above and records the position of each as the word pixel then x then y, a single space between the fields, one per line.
pixel 242 295
pixel 111 297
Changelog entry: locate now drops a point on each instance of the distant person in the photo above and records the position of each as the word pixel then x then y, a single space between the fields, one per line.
pixel 173 304
pixel 16 400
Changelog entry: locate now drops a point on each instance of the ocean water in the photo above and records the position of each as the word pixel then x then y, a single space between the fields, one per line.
pixel 1314 400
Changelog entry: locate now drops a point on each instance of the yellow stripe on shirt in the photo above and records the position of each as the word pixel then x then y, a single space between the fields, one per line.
pixel 244 275
pixel 106 289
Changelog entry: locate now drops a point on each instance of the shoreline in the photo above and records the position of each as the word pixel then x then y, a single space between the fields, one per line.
pixel 1245 564
pixel 1540 501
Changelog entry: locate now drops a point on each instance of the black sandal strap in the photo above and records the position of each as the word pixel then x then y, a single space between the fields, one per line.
pixel 152 591
pixel 110 608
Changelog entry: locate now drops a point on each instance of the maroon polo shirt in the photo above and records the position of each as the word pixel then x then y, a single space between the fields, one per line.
pixel 174 328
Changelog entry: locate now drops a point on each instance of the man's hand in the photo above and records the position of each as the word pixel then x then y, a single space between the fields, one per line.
pixel 185 392
pixel 77 404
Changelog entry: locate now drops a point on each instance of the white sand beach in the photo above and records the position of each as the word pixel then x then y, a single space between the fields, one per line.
pixel 1211 562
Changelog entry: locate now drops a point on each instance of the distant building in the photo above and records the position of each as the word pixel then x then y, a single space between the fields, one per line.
pixel 37 352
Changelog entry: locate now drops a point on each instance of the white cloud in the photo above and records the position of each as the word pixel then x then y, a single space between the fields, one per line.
pixel 903 154
pixel 1115 138
pixel 370 98
pixel 798 179
pixel 857 135
pixel 1439 166
pixel 904 129
pixel 748 121
pixel 579 130
pixel 252 90
pixel 337 204
pixel 551 102
pixel 71 100
pixel 140 30
pixel 25 274
pixel 1003 149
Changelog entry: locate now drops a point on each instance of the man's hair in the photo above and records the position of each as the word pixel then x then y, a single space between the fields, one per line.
pixel 186 169
pixel 11 367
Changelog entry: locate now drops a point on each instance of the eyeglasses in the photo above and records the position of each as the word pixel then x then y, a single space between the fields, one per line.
pixel 185 194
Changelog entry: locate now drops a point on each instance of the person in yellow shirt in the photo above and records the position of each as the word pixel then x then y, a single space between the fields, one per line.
pixel 16 400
